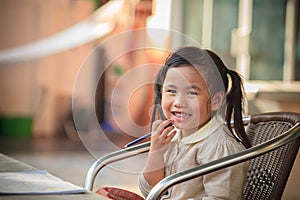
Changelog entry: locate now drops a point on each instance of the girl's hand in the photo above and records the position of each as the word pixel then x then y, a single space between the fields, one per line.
pixel 162 135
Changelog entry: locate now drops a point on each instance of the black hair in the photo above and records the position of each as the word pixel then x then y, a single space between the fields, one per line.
pixel 215 73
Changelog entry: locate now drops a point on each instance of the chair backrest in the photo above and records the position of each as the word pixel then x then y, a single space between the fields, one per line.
pixel 268 173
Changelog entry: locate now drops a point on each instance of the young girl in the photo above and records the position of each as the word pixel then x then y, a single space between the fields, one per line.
pixel 196 93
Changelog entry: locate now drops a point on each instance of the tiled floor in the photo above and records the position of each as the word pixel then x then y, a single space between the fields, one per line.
pixel 70 160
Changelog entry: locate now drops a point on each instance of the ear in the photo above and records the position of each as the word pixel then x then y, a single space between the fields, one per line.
pixel 217 101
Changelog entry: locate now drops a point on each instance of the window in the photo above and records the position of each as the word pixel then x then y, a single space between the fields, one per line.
pixel 274 40
pixel 267 40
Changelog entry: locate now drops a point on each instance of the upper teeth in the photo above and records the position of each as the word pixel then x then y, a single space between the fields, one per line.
pixel 181 114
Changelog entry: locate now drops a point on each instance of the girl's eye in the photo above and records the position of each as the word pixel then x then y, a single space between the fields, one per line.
pixel 171 91
pixel 192 93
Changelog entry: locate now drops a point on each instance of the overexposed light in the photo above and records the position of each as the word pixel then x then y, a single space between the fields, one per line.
pixel 161 20
pixel 156 37
pixel 102 29
pixel 108 10
pixel 251 88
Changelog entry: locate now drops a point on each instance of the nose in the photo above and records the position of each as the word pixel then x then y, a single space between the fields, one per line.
pixel 179 101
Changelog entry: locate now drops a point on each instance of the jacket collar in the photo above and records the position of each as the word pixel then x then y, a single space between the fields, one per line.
pixel 200 134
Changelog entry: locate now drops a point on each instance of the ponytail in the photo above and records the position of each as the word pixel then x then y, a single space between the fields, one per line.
pixel 234 108
pixel 234 99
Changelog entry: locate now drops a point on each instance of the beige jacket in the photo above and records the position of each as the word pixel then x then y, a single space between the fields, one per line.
pixel 211 142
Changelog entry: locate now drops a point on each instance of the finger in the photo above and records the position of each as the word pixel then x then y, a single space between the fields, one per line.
pixel 159 126
pixel 102 192
pixel 165 124
pixel 166 139
pixel 171 136
pixel 156 124
pixel 168 129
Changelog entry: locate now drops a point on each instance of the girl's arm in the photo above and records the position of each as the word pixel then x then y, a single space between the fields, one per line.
pixel 154 170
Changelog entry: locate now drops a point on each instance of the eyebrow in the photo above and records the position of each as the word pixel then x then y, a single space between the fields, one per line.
pixel 195 87
pixel 190 87
pixel 169 86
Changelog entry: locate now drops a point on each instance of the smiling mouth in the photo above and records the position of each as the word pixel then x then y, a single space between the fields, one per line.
pixel 182 115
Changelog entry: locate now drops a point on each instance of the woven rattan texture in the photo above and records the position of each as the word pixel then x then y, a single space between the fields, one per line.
pixel 265 172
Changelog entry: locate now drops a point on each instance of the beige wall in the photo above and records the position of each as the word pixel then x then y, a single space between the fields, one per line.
pixel 40 87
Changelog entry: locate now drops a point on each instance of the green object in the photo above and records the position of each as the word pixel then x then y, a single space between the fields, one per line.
pixel 16 126
pixel 118 70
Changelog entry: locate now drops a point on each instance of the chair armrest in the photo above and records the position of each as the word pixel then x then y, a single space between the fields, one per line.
pixel 119 155
pixel 110 158
pixel 227 161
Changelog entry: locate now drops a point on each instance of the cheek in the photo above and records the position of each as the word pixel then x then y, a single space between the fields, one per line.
pixel 201 109
pixel 206 112
pixel 166 105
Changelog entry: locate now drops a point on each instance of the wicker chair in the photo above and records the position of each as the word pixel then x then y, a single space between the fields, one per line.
pixel 275 138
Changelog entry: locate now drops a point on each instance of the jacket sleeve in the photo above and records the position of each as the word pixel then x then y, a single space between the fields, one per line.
pixel 144 185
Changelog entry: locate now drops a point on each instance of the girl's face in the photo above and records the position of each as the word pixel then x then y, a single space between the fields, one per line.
pixel 186 99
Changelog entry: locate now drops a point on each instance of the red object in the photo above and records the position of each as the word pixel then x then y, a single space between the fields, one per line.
pixel 119 194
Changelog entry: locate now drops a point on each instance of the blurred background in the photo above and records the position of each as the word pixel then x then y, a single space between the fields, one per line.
pixel 46 45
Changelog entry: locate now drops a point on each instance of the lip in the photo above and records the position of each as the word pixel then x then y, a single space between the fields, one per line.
pixel 180 115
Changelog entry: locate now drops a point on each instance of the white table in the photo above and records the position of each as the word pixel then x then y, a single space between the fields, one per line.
pixel 8 164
